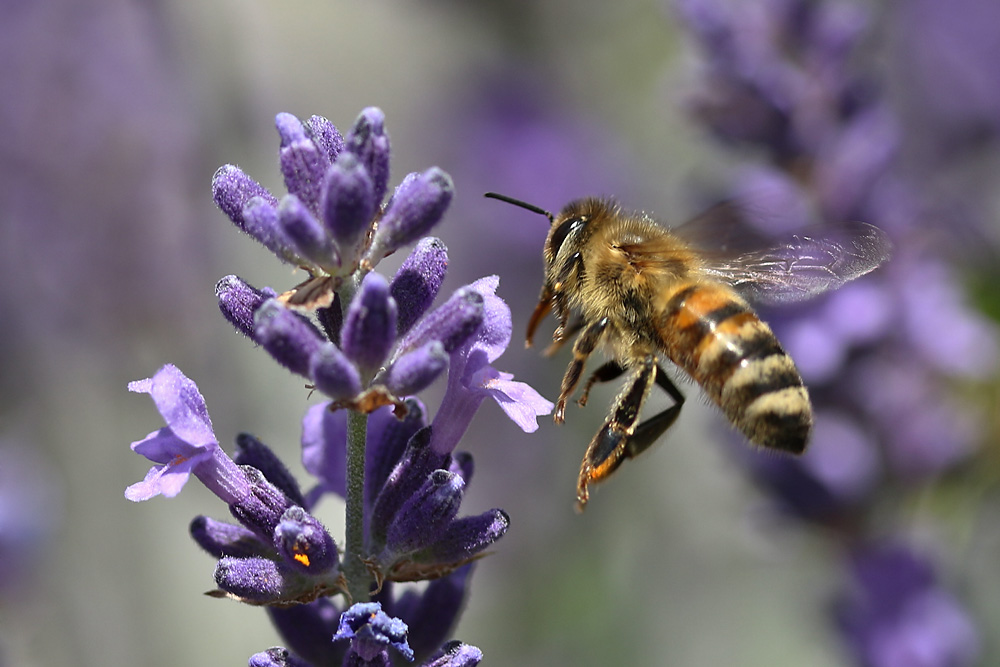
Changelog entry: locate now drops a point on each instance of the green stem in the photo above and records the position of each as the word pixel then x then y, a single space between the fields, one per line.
pixel 358 578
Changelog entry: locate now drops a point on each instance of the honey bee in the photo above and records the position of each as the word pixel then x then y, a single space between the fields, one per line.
pixel 646 294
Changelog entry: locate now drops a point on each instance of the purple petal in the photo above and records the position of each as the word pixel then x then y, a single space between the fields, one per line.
pixel 324 446
pixel 180 403
pixel 165 480
pixel 519 400
pixel 494 336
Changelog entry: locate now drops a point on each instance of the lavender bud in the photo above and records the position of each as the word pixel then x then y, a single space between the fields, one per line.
pixel 418 204
pixel 307 628
pixel 456 654
pixel 431 617
pixel 306 233
pixel 333 373
pixel 325 135
pixel 276 657
pixel 369 142
pixel 238 301
pixel 304 542
pixel 288 337
pixel 262 508
pixel 425 515
pixel 261 220
pixel 416 370
pixel 348 203
pixel 417 462
pixel 387 444
pixel 418 280
pixel 452 323
pixel 466 537
pixel 252 452
pixel 255 579
pixel 370 327
pixel 232 189
pixel 302 163
pixel 220 538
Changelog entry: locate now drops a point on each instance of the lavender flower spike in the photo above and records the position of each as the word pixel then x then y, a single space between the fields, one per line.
pixel 185 445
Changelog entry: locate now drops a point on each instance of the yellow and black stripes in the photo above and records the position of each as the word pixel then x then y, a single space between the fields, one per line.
pixel 715 336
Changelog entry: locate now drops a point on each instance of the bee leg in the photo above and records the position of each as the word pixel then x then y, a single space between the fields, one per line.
pixel 650 430
pixel 562 335
pixel 582 348
pixel 606 373
pixel 611 444
pixel 572 268
pixel 541 310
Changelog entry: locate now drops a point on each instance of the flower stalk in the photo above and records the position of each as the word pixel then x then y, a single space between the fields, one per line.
pixel 358 578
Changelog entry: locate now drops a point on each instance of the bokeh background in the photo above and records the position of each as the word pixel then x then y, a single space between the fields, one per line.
pixel 115 115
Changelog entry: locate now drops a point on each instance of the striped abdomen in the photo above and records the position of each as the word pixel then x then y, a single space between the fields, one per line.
pixel 712 334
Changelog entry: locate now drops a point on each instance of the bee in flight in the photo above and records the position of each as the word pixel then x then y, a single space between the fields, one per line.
pixel 647 294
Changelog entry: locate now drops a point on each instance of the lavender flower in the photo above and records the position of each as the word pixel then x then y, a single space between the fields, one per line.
pixel 369 343
pixel 185 445
pixel 896 613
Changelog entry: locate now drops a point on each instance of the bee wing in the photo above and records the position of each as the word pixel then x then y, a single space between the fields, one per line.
pixel 804 266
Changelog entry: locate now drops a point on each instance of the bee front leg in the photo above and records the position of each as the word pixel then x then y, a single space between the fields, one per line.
pixel 584 345
pixel 541 310
pixel 620 438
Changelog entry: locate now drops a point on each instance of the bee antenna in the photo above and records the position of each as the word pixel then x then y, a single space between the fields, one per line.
pixel 522 204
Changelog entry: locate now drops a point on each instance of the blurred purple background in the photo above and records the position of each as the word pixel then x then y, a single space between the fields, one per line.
pixel 116 115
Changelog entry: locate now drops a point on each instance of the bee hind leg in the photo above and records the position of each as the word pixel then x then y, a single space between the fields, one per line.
pixel 620 438
pixel 650 430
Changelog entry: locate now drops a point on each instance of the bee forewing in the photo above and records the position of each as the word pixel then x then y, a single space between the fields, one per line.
pixel 805 266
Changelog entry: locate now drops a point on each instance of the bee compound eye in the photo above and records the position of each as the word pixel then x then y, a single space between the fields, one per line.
pixel 564 229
